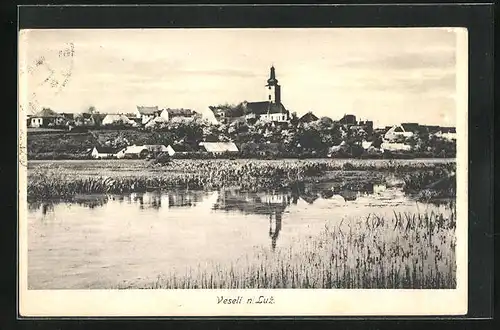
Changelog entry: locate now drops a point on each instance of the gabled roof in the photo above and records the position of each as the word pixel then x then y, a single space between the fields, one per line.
pixel 348 119
pixel 105 150
pixel 135 149
pixel 257 108
pixel 264 107
pixel 219 146
pixel 98 116
pixel 147 110
pixel 308 117
pixel 47 113
pixel 68 115
pixel 448 130
pixel 156 120
pixel 411 127
pixel 180 112
pixel 179 147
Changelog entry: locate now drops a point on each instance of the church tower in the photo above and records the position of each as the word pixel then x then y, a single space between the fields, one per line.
pixel 272 88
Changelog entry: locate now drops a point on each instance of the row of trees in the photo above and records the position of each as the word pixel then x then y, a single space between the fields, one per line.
pixel 317 137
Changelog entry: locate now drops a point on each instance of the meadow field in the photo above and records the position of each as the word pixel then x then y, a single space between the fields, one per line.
pixel 63 179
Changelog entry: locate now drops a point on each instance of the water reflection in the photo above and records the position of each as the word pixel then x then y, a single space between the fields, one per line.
pixel 93 241
pixel 270 204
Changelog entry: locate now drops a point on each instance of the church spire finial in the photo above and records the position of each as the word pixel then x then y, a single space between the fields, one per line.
pixel 272 77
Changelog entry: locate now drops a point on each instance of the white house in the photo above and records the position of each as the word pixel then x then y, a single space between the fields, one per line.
pixel 280 117
pixel 45 118
pixel 157 121
pixel 448 133
pixel 401 130
pixel 103 152
pixel 116 119
pixel 219 147
pixel 395 146
pixel 135 152
pixel 147 113
pixel 175 149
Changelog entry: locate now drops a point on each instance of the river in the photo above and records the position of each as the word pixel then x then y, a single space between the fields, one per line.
pixel 95 242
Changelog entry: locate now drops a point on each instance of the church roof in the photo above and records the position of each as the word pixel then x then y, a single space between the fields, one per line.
pixel 261 108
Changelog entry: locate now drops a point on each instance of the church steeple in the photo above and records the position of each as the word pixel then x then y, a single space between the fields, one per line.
pixel 273 88
pixel 272 81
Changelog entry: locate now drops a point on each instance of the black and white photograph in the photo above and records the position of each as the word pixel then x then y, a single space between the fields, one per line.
pixel 242 169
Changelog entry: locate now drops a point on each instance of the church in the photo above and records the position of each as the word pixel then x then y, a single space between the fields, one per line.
pixel 271 110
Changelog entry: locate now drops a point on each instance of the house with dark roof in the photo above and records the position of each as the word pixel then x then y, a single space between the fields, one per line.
pixel 177 148
pixel 103 152
pixel 348 120
pixel 146 113
pixel 189 114
pixel 308 118
pixel 401 130
pixel 411 127
pixel 44 118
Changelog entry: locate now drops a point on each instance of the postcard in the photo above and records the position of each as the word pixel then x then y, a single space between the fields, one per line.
pixel 243 172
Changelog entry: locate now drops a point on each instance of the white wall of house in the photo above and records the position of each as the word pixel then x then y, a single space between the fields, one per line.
pixel 276 117
pixel 164 114
pixel 96 154
pixel 170 151
pixel 36 122
pixel 146 118
pixel 396 131
pixel 395 146
pixel 121 154
pixel 447 136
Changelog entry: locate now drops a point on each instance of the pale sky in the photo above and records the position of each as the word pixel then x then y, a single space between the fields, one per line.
pixel 385 75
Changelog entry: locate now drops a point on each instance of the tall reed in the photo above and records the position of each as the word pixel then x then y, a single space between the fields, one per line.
pixel 412 251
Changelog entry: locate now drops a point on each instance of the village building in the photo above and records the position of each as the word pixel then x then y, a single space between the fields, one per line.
pixel 272 109
pixel 102 152
pixel 308 118
pixel 366 125
pixel 44 118
pixel 174 149
pixel 156 122
pixel 134 152
pixel 348 120
pixel 155 149
pixel 146 113
pixel 117 120
pixel 404 130
pixel 218 148
pixel 187 114
pixel 448 133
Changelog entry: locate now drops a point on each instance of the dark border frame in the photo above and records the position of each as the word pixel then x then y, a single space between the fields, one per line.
pixel 478 18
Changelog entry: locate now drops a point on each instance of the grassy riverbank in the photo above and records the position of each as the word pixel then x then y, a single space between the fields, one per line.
pixel 66 179
pixel 400 251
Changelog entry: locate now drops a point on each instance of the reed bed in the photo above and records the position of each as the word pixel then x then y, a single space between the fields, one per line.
pixel 405 251
pixel 66 179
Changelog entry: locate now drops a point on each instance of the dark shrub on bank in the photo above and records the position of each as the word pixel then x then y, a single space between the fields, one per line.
pixel 436 182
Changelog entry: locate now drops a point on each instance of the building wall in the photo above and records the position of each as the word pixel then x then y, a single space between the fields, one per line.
pixel 170 151
pixel 36 122
pixel 392 133
pixel 277 117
